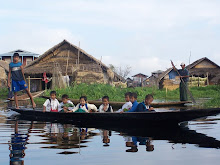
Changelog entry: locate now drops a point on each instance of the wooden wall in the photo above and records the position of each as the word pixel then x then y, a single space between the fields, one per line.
pixel 205 64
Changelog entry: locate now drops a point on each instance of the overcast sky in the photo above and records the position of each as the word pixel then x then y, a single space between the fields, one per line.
pixel 144 34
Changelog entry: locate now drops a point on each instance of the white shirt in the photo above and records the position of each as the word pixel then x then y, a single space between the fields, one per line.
pixel 90 107
pixel 53 104
pixel 69 108
pixel 101 108
pixel 127 106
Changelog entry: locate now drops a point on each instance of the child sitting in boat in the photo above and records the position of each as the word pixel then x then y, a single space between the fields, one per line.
pixel 146 104
pixel 66 104
pixel 105 107
pixel 127 106
pixel 51 104
pixel 133 99
pixel 83 106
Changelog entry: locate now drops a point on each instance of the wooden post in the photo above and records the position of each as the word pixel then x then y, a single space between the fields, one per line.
pixel 207 78
pixel 67 62
pixel 29 83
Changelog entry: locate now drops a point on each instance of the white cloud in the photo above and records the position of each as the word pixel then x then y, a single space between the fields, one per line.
pixel 145 34
pixel 33 37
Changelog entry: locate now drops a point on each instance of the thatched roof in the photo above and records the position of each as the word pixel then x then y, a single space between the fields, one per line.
pixel 58 54
pixel 4 65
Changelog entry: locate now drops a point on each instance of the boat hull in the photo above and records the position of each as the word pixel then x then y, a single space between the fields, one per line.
pixel 117 119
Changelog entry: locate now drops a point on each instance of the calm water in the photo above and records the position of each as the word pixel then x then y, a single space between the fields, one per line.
pixel 26 142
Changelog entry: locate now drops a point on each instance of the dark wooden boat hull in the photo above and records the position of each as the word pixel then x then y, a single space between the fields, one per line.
pixel 119 104
pixel 118 119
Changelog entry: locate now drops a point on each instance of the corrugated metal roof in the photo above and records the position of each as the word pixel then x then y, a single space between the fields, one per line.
pixel 21 53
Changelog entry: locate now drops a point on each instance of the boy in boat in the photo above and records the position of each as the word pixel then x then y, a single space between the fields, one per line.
pixel 18 83
pixel 146 104
pixel 105 107
pixel 83 106
pixel 133 99
pixel 51 104
pixel 127 106
pixel 66 105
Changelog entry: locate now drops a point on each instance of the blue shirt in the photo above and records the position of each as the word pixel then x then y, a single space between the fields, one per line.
pixel 142 107
pixel 16 73
pixel 134 106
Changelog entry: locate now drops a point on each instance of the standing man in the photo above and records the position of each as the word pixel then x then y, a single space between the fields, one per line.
pixel 17 80
pixel 184 78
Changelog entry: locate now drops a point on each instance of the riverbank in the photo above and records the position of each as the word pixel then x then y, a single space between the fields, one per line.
pixel 97 91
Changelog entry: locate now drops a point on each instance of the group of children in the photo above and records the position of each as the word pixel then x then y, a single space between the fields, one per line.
pixel 131 104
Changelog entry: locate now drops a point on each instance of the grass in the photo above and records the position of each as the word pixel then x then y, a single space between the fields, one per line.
pixel 97 91
pixel 3 93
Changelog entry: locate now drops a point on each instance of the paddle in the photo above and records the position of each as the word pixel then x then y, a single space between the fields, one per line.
pixel 187 89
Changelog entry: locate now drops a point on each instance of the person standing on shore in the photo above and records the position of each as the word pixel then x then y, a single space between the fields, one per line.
pixel 184 78
pixel 17 80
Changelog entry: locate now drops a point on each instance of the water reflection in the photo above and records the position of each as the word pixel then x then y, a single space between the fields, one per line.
pixel 133 142
pixel 17 145
pixel 65 137
pixel 105 134
pixel 68 139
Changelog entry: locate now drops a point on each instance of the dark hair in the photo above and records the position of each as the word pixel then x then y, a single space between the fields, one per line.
pixel 65 96
pixel 128 94
pixel 149 96
pixel 105 97
pixel 53 92
pixel 134 95
pixel 15 55
pixel 83 97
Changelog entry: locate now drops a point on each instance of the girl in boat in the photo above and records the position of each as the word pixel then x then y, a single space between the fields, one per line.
pixel 127 106
pixel 105 107
pixel 146 105
pixel 51 104
pixel 83 106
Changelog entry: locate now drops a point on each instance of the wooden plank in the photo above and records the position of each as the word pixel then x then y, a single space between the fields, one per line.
pixel 26 97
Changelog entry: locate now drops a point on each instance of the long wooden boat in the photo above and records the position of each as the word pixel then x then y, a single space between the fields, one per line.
pixel 118 119
pixel 119 104
pixel 26 97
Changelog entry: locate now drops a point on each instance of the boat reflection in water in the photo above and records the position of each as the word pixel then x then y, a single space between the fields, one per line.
pixel 70 139
pixel 65 137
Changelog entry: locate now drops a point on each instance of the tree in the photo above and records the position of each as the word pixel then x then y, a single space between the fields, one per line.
pixel 122 71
